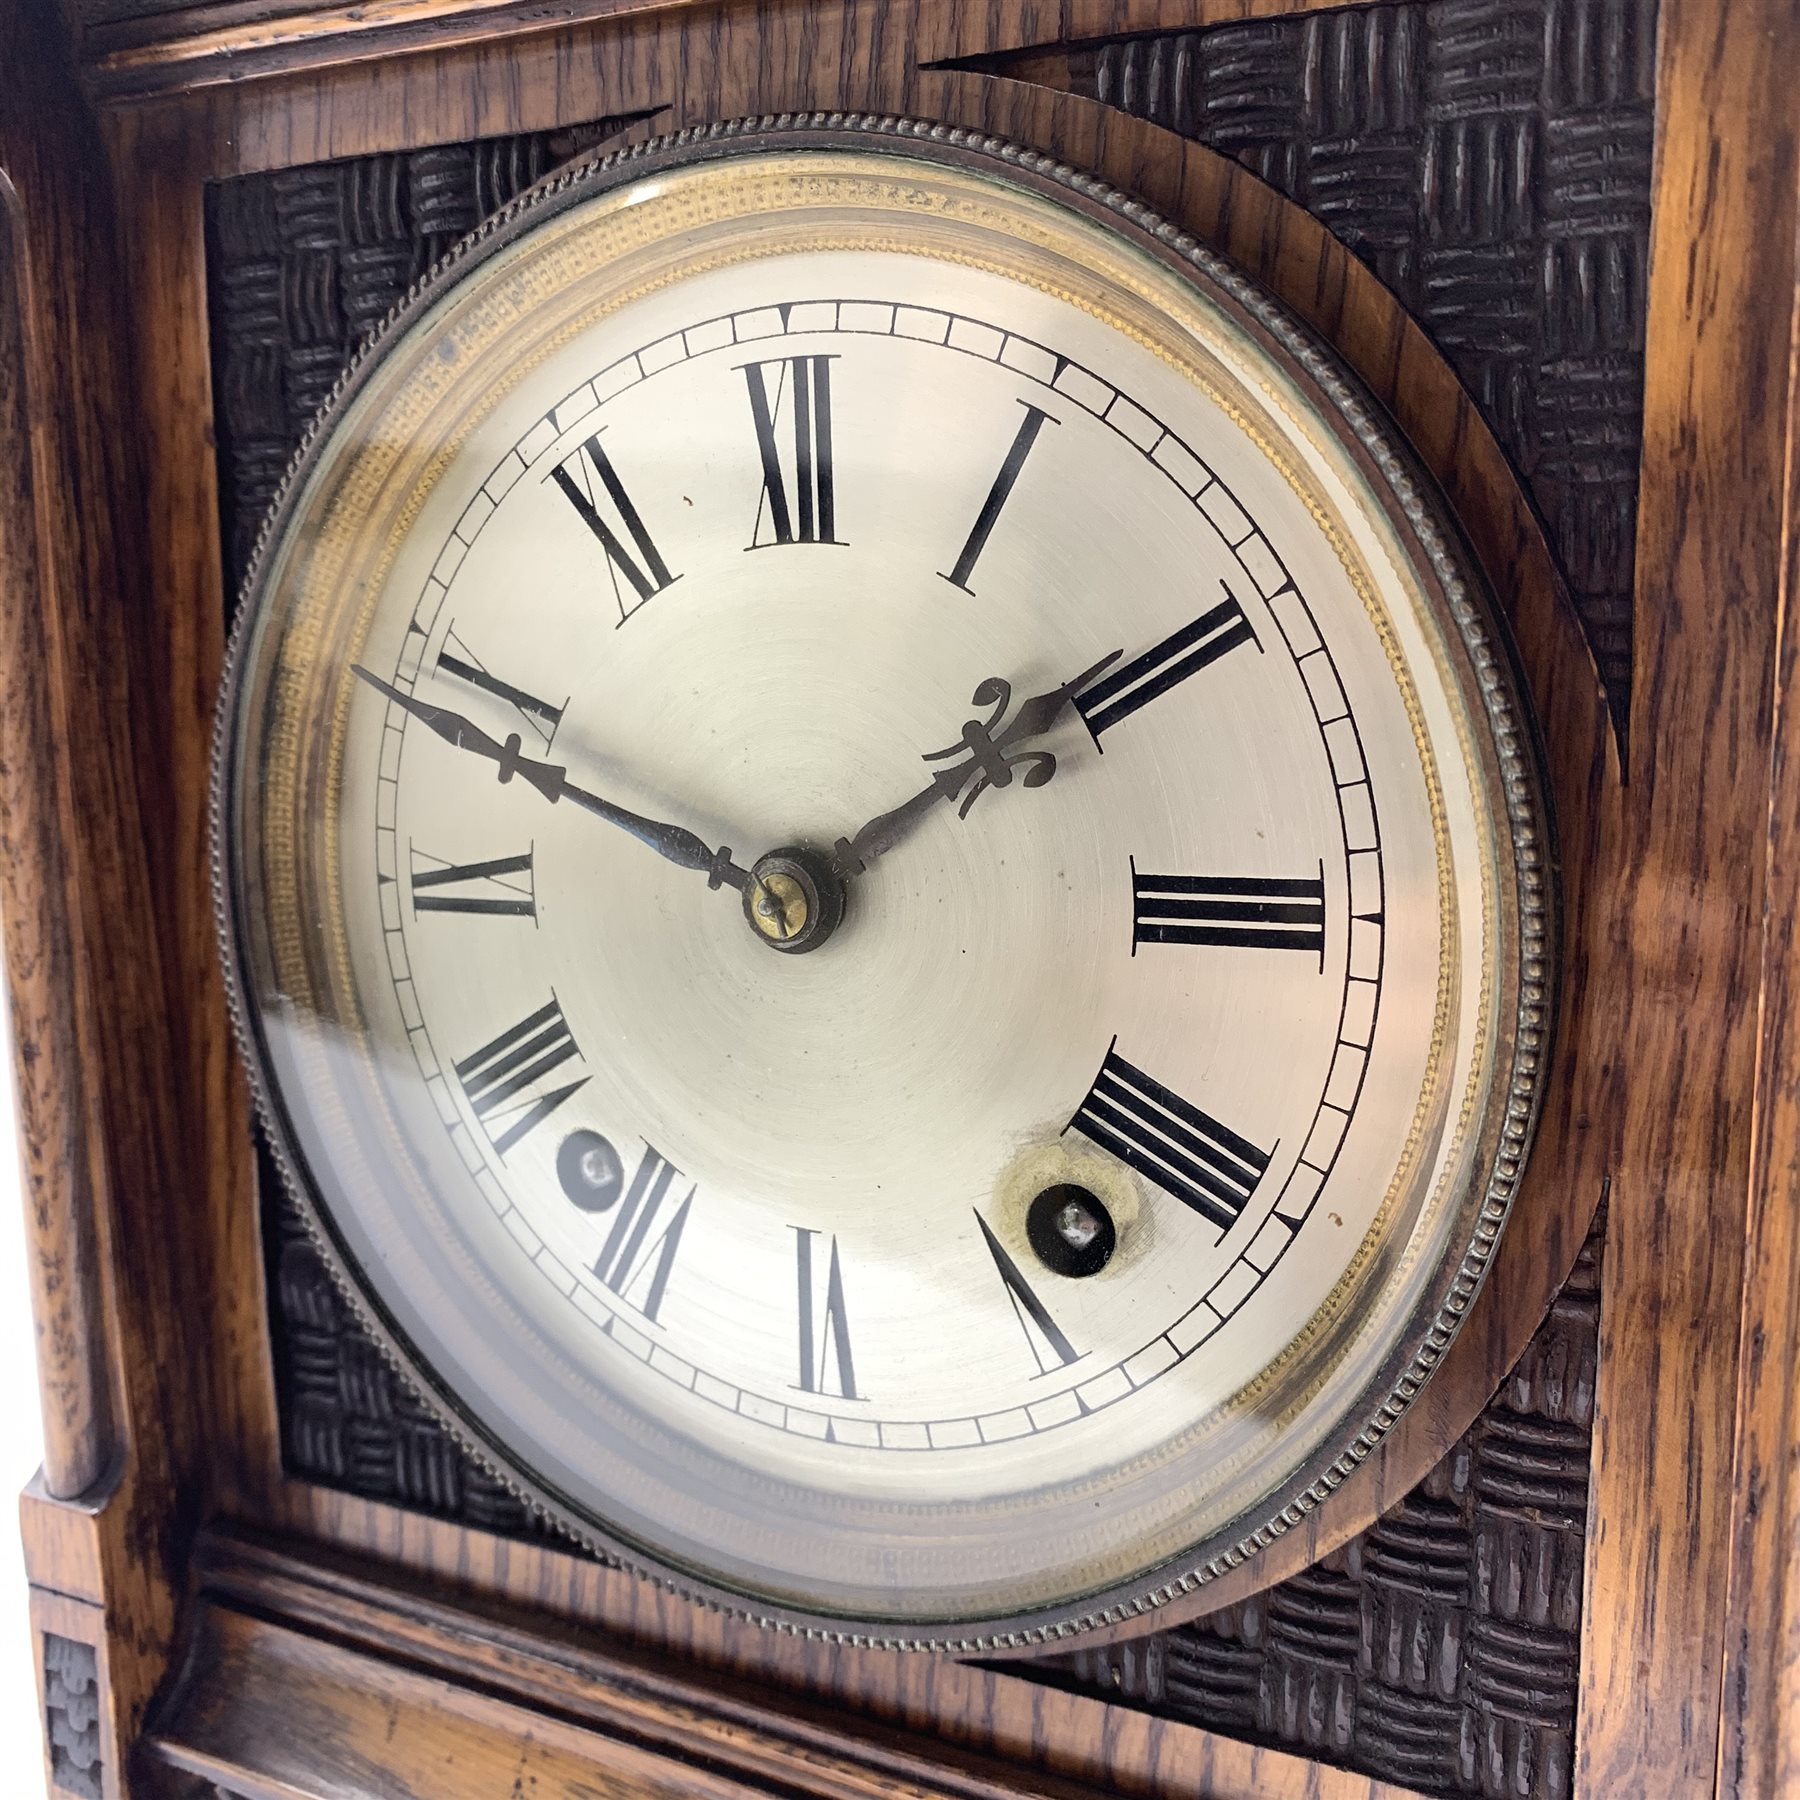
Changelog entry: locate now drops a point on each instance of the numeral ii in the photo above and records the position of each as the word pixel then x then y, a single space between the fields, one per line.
pixel 592 486
pixel 1183 653
pixel 825 1361
pixel 1170 1141
pixel 505 1079
pixel 799 501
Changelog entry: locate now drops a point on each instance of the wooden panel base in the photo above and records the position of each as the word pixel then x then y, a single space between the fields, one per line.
pixel 310 1678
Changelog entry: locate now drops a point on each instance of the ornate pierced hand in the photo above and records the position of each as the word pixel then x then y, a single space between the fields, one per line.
pixel 990 757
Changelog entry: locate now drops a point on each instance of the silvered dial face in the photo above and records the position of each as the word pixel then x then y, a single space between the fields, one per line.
pixel 869 889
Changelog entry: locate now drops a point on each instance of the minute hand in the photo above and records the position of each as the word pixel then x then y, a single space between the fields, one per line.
pixel 851 856
pixel 675 842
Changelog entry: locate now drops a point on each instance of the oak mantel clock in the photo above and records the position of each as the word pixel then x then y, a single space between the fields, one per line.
pixel 893 899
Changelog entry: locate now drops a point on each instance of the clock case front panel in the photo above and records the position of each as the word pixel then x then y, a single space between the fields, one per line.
pixel 198 1364
pixel 348 1420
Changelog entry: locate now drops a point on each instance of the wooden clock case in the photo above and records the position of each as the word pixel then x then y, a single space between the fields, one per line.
pixel 215 1616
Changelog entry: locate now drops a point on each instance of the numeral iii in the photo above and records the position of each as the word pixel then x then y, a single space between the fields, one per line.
pixel 1247 912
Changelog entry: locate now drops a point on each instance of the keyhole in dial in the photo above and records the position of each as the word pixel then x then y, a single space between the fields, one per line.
pixel 1070 1230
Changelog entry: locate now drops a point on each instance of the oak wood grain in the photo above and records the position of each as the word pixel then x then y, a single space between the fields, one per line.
pixel 176 49
pixel 63 1254
pixel 1688 924
pixel 1759 1743
pixel 318 1675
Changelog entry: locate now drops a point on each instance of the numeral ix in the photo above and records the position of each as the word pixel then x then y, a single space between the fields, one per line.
pixel 1170 1141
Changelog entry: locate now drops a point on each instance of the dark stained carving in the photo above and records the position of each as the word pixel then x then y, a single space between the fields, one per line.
pixel 72 1716
pixel 304 263
pixel 1491 161
pixel 1438 1649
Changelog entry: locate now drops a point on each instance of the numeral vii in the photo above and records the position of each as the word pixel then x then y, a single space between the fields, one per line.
pixel 1177 657
pixel 1049 1347
pixel 505 1078
pixel 799 501
pixel 500 888
pixel 1170 1141
pixel 1033 422
pixel 642 1238
pixel 592 486
pixel 1247 912
pixel 825 1362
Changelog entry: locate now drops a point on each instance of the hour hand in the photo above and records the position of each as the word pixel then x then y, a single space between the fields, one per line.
pixel 988 753
pixel 465 734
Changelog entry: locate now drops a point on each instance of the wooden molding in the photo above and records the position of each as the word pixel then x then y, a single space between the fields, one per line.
pixel 63 1250
pixel 177 49
pixel 311 1677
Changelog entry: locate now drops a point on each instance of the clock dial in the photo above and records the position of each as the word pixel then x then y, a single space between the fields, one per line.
pixel 875 889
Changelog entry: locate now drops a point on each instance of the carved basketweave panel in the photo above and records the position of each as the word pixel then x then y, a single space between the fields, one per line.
pixel 1490 161
pixel 1439 1648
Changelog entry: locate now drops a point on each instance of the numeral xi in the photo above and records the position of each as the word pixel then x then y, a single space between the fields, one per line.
pixel 645 573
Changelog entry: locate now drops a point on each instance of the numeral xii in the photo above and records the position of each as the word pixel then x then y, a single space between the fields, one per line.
pixel 798 500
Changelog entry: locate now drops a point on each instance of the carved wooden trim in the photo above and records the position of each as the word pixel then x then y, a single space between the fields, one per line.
pixel 1490 160
pixel 137 52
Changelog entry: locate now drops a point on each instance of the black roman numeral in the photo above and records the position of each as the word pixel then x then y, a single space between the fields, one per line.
pixel 643 1241
pixel 1029 427
pixel 1245 912
pixel 800 510
pixel 1170 1141
pixel 540 716
pixel 645 573
pixel 1118 695
pixel 824 1331
pixel 502 1078
pixel 501 888
pixel 1049 1348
